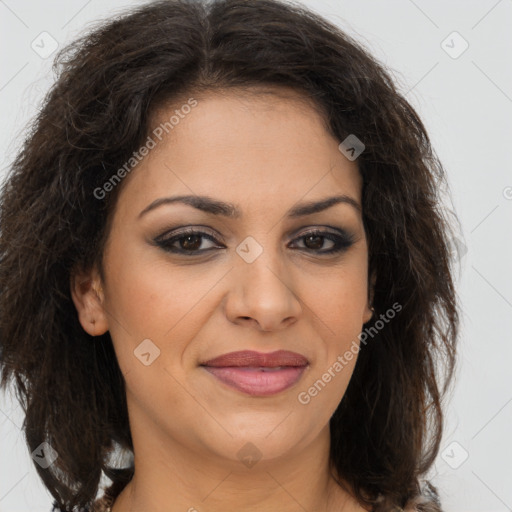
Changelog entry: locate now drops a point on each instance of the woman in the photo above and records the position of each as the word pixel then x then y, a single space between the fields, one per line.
pixel 225 244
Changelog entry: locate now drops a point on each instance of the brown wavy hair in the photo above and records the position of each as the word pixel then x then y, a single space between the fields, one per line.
pixel 387 429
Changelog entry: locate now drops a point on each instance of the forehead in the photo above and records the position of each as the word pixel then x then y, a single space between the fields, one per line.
pixel 243 147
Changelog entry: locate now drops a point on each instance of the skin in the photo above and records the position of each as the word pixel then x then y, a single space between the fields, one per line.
pixel 265 153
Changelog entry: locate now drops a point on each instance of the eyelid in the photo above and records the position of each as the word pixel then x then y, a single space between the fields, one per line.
pixel 322 227
pixel 184 230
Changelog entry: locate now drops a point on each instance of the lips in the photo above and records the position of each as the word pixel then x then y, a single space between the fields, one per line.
pixel 258 359
pixel 257 373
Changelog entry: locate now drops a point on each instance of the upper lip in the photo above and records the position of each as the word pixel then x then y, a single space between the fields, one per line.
pixel 258 359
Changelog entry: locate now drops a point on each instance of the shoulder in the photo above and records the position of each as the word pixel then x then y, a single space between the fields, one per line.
pixel 100 505
pixel 56 508
pixel 427 500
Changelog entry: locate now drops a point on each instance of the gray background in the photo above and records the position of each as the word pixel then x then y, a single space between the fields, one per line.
pixel 466 103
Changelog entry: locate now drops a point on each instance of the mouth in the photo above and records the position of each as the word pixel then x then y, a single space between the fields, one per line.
pixel 257 373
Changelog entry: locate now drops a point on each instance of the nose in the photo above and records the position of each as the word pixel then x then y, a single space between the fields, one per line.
pixel 262 294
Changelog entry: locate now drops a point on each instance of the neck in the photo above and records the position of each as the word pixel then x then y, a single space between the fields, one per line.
pixel 172 478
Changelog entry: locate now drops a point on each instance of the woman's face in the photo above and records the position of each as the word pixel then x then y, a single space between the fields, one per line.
pixel 253 281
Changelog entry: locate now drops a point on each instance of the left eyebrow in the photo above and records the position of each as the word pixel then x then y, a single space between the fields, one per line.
pixel 216 207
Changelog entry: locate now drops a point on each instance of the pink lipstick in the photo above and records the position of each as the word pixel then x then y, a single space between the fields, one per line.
pixel 257 373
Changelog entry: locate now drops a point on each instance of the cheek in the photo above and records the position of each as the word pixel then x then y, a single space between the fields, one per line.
pixel 155 311
pixel 149 298
pixel 340 301
pixel 150 294
pixel 339 323
pixel 338 307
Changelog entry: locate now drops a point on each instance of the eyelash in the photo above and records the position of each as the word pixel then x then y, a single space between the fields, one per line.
pixel 341 242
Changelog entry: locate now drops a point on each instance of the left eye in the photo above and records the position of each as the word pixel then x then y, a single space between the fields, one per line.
pixel 191 241
pixel 314 239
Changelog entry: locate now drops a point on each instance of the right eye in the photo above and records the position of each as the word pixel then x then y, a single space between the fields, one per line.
pixel 187 242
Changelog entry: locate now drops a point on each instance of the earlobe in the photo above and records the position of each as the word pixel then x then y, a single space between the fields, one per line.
pixel 368 314
pixel 87 295
pixel 371 292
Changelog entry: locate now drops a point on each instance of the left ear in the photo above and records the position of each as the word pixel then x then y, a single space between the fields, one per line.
pixel 368 313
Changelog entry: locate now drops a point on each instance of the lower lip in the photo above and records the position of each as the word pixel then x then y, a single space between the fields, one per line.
pixel 256 382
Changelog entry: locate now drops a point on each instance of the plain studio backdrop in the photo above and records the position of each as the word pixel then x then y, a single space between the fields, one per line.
pixel 453 62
